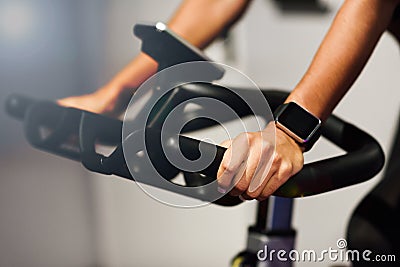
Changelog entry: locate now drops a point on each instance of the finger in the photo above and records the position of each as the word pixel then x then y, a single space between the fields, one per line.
pixel 227 143
pixel 234 156
pixel 240 174
pixel 62 102
pixel 279 178
pixel 261 176
pixel 257 194
pixel 249 167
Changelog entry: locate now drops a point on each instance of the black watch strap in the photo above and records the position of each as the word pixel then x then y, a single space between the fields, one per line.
pixel 310 143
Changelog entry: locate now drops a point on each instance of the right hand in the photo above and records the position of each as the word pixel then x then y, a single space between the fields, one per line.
pixel 246 163
pixel 104 101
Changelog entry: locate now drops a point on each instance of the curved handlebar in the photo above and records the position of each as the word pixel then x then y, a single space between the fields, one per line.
pixel 74 133
pixel 17 105
pixel 364 158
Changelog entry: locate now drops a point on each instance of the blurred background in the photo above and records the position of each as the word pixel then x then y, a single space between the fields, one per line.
pixel 54 213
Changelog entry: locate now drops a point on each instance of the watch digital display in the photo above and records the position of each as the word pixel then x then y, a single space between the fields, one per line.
pixel 298 121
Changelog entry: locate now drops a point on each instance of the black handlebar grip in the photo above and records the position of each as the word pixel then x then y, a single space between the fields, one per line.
pixel 17 105
pixel 364 159
pixel 190 149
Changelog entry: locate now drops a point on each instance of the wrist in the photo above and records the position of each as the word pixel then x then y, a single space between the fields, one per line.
pixel 310 99
pixel 116 90
pixel 133 75
pixel 282 135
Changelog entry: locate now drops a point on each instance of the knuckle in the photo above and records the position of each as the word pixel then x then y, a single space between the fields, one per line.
pixel 227 168
pixel 250 137
pixel 277 158
pixel 287 169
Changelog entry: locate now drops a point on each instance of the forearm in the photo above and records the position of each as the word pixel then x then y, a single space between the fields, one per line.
pixel 342 55
pixel 197 21
pixel 200 22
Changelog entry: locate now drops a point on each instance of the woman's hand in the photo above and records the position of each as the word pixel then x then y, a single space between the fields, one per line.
pixel 107 100
pixel 255 169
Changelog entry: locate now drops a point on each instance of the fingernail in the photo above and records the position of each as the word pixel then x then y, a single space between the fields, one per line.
pixel 221 190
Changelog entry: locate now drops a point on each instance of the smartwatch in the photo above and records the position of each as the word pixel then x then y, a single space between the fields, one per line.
pixel 298 123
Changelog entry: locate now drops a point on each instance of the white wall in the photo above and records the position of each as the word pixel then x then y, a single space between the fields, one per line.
pixel 45 201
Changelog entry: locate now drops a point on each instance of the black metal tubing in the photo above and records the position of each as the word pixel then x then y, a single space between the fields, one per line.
pixel 364 158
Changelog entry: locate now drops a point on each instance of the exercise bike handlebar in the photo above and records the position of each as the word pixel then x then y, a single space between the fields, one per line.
pixel 51 128
pixel 364 158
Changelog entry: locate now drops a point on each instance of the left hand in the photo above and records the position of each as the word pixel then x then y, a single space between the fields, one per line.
pixel 247 164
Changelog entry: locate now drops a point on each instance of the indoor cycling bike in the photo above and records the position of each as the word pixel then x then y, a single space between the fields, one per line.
pixel 75 134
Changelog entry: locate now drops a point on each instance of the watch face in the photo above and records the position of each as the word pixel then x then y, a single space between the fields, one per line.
pixel 300 122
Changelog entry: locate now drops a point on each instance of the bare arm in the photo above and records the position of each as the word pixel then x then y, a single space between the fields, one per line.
pixel 197 21
pixel 343 54
pixel 341 57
